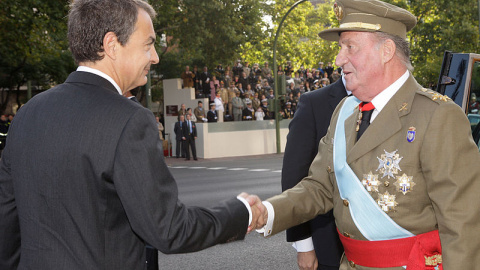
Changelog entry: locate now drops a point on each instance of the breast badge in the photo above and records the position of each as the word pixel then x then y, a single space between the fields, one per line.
pixel 404 183
pixel 386 202
pixel 411 134
pixel 370 182
pixel 389 164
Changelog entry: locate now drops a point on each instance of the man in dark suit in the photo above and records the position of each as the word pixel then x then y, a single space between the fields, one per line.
pixel 309 125
pixel 205 79
pixel 87 190
pixel 190 134
pixel 180 139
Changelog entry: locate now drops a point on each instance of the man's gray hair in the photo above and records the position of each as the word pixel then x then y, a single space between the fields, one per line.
pixel 403 47
pixel 90 20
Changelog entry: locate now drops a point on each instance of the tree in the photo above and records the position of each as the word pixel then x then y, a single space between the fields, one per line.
pixel 298 39
pixel 33 45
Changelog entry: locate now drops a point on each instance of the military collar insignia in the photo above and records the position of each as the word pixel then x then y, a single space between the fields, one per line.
pixel 404 183
pixel 387 202
pixel 370 182
pixel 389 164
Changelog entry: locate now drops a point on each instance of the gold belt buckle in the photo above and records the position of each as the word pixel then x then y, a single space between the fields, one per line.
pixel 433 260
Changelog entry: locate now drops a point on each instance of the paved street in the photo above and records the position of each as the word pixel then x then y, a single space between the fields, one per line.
pixel 205 182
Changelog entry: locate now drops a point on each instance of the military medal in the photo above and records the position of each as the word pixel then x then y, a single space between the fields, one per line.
pixel 386 201
pixel 404 183
pixel 411 134
pixel 370 181
pixel 389 164
pixel 359 120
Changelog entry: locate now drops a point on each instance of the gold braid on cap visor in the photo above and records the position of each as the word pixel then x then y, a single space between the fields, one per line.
pixel 361 25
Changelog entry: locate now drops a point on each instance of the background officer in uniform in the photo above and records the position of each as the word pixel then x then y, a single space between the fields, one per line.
pixel 415 166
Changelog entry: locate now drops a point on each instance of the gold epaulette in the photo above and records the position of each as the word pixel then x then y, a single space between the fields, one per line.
pixel 435 96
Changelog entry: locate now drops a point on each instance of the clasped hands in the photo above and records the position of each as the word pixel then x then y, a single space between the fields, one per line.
pixel 259 211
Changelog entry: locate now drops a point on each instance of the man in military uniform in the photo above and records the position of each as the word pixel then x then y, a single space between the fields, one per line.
pixel 398 165
pixel 248 114
pixel 288 112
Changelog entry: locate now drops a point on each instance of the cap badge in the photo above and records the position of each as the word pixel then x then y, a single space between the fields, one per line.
pixel 338 11
pixel 389 164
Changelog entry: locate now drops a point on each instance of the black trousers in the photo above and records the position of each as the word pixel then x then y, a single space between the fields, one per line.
pixel 179 149
pixel 190 143
pixel 152 258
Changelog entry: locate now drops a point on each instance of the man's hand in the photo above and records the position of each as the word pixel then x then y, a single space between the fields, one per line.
pixel 259 211
pixel 307 260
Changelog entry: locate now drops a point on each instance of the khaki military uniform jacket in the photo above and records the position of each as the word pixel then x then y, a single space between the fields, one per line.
pixel 441 165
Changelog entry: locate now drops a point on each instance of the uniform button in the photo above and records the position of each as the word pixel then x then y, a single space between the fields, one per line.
pixel 345 202
pixel 352 264
pixel 346 234
pixel 329 169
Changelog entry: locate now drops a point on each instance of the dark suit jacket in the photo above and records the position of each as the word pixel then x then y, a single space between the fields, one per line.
pixel 308 126
pixel 178 130
pixel 83 184
pixel 186 131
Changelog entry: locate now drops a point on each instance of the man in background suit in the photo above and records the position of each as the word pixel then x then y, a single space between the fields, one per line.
pixel 190 134
pixel 178 129
pixel 308 126
pixel 205 80
pixel 89 195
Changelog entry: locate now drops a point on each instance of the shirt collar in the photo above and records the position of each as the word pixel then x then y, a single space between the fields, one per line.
pixel 101 74
pixel 382 99
pixel 344 84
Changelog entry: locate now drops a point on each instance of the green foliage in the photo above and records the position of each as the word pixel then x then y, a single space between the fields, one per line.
pixel 33 44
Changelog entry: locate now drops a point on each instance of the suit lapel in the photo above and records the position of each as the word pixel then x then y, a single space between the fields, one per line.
pixel 337 93
pixel 385 125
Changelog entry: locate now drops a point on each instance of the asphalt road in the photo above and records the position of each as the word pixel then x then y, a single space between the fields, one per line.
pixel 205 182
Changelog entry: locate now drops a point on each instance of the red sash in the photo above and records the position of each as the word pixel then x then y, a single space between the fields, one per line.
pixel 420 252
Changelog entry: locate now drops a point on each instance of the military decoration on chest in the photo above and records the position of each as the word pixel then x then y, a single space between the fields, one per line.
pixel 389 167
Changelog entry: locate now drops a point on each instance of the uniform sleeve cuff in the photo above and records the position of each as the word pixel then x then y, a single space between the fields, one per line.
pixel 267 229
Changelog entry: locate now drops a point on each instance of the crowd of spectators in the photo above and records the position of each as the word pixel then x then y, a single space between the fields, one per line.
pixel 243 93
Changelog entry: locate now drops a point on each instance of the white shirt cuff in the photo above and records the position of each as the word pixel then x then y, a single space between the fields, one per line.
pixel 267 229
pixel 248 208
pixel 304 245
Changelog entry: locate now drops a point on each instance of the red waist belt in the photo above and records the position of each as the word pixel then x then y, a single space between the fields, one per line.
pixel 418 252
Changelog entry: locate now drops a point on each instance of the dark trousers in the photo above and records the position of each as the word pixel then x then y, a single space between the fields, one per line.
pixel 190 143
pixel 179 149
pixel 152 258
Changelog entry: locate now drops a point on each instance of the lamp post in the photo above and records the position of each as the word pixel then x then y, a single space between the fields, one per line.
pixel 275 75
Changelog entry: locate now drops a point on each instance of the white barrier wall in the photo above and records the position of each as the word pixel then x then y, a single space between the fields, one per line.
pixel 227 139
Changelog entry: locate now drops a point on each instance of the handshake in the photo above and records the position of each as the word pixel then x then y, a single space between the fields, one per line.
pixel 259 211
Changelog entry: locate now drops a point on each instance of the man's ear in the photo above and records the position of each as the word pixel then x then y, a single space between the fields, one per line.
pixel 389 49
pixel 110 45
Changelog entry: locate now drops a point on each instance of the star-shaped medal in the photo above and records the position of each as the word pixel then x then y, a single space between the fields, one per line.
pixel 389 164
pixel 370 182
pixel 404 183
pixel 386 202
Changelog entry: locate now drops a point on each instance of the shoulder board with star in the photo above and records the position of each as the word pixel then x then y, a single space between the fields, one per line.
pixel 433 95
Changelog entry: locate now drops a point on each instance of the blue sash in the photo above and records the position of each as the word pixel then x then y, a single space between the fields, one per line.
pixel 369 218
